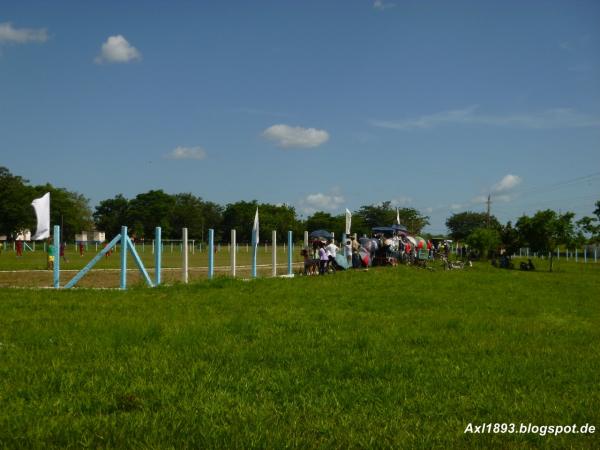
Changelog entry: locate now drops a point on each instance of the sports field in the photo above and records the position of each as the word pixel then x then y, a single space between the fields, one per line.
pixel 30 269
pixel 391 357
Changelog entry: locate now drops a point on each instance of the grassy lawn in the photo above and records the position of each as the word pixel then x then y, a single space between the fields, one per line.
pixel 37 260
pixel 386 358
pixel 171 261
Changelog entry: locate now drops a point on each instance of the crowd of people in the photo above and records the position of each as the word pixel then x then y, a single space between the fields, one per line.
pixel 324 256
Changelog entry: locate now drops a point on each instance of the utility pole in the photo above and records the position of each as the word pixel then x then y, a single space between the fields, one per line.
pixel 489 203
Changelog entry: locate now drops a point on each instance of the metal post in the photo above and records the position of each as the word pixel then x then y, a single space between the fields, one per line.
pixel 232 255
pixel 123 257
pixel 184 244
pixel 576 255
pixel 56 274
pixel 290 251
pixel 254 252
pixel 274 256
pixel 157 255
pixel 306 239
pixel 343 244
pixel 558 253
pixel 211 253
pixel 585 254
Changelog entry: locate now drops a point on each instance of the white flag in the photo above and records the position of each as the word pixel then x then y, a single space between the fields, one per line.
pixel 397 216
pixel 348 221
pixel 42 212
pixel 255 229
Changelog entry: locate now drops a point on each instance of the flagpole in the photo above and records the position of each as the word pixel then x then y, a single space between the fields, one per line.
pixel 290 250
pixel 254 243
pixel 211 253
pixel 57 257
pixel 254 246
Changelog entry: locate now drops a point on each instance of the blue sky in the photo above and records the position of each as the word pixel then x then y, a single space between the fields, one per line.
pixel 319 104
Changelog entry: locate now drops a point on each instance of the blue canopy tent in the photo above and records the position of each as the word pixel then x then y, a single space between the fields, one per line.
pixel 392 229
pixel 320 234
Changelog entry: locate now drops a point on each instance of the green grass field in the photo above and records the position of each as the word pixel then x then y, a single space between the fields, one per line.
pixel 105 273
pixel 395 357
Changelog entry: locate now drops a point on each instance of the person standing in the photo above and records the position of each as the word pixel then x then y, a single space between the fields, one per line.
pixel 332 250
pixel 19 247
pixel 62 252
pixel 80 248
pixel 51 255
pixel 323 259
pixel 348 250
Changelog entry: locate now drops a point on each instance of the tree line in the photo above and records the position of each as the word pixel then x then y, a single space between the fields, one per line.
pixel 542 232
pixel 172 212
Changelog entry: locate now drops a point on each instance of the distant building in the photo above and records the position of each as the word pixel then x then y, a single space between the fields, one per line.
pixel 23 235
pixel 96 236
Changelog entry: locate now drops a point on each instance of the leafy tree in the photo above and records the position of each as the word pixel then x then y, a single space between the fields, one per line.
pixel 463 224
pixel 281 218
pixel 196 215
pixel 16 212
pixel 111 214
pixel 485 240
pixel 509 237
pixel 240 216
pixel 412 219
pixel 546 230
pixel 150 210
pixel 385 214
pixel 588 226
pixel 321 220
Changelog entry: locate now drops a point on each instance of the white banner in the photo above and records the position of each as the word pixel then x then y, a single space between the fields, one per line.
pixel 255 229
pixel 348 221
pixel 42 212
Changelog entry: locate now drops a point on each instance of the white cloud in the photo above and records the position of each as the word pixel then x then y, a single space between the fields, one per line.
pixel 331 202
pixel 295 137
pixel 9 34
pixel 116 49
pixel 187 153
pixel 507 183
pixel 500 191
pixel 456 206
pixel 382 6
pixel 550 118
